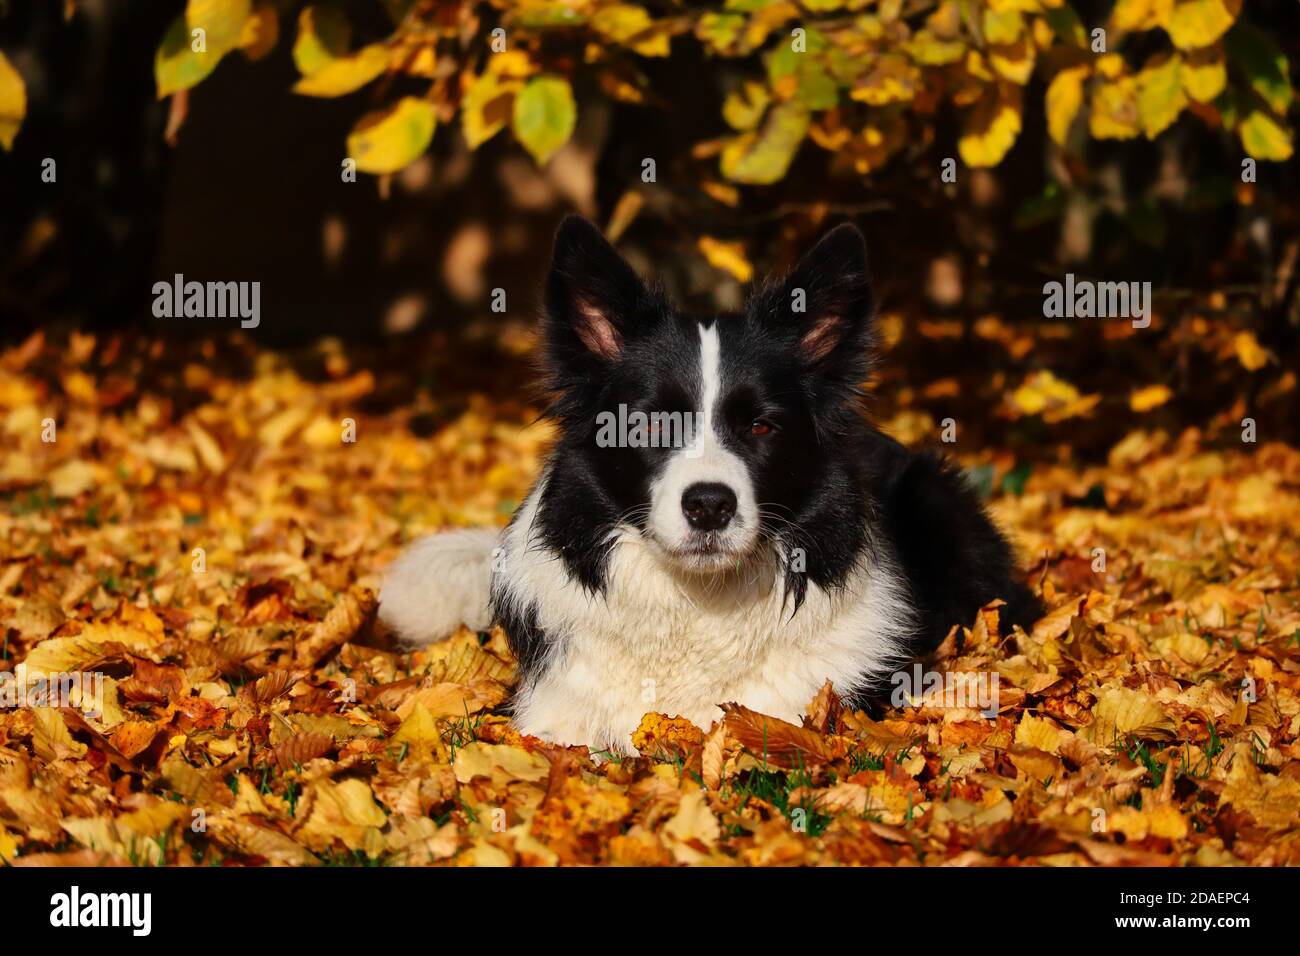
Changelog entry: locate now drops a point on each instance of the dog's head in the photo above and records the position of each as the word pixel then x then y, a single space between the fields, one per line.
pixel 712 437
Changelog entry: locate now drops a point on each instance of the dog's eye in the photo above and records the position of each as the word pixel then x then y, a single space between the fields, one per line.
pixel 761 426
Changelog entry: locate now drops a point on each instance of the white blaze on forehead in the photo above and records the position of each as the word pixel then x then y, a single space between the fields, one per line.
pixel 706 460
pixel 710 374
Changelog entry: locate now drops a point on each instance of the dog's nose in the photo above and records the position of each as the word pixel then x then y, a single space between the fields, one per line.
pixel 708 506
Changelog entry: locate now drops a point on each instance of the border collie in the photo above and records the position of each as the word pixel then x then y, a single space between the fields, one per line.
pixel 775 542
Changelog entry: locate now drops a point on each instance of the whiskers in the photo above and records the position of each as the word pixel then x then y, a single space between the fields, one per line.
pixel 787 534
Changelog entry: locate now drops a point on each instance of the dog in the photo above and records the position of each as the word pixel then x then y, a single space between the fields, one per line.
pixel 770 542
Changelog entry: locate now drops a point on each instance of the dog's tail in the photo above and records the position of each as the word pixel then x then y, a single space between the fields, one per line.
pixel 439 583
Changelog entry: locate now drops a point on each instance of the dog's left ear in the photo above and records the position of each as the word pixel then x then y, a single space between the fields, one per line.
pixel 827 303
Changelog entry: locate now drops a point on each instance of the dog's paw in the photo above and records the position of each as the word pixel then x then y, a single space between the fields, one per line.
pixel 438 584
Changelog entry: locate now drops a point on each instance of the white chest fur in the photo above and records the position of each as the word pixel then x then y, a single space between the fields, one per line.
pixel 672 642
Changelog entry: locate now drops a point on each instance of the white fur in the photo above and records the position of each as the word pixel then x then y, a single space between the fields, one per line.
pixel 667 640
pixel 439 583
pixel 705 460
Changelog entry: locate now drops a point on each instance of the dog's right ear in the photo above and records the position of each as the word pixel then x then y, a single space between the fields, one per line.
pixel 593 298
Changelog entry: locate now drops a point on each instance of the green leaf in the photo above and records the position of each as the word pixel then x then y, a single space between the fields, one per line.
pixel 1263 63
pixel 390 139
pixel 176 65
pixel 1160 96
pixel 805 74
pixel 762 157
pixel 1065 23
pixel 1265 137
pixel 543 15
pixel 183 58
pixel 720 30
pixel 347 74
pixel 13 102
pixel 544 116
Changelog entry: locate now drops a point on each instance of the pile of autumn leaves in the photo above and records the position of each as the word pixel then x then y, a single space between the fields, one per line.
pixel 254 712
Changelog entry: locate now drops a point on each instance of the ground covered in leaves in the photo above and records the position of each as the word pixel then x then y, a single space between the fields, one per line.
pixel 209 535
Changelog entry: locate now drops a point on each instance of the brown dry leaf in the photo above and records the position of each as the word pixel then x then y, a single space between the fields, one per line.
pixel 301 749
pixel 259 841
pixel 1158 650
pixel 420 842
pixel 499 763
pixel 1272 801
pixel 824 711
pixel 1121 713
pixel 772 740
pixel 51 738
pixel 353 610
pixel 455 700
pixel 693 831
pixel 713 758
pixel 134 736
pixel 344 811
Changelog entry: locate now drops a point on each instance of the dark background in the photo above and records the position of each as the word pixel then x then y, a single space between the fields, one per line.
pixel 251 191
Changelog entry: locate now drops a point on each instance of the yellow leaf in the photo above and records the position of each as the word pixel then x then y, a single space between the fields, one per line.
pixel 1273 800
pixel 1115 113
pixel 693 830
pixel 1042 393
pixel 1002 26
pixel 13 102
pixel 323 36
pixel 1140 15
pixel 1064 97
pixel 487 106
pixel 1153 396
pixel 762 156
pixel 344 811
pixel 499 762
pixel 221 20
pixel 1121 713
pixel 622 22
pixel 73 478
pixel 1198 23
pixel 891 78
pixel 1250 353
pixel 420 732
pixel 196 41
pixel 1204 73
pixel 208 450
pixel 991 128
pixel 1038 732
pixel 390 139
pixel 51 738
pixel 1013 61
pixel 346 74
pixel 743 108
pixel 727 256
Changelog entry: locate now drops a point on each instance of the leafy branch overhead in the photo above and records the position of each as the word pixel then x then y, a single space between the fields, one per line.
pixel 860 78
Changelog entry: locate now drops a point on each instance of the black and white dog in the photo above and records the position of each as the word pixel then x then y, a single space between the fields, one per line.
pixel 775 541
